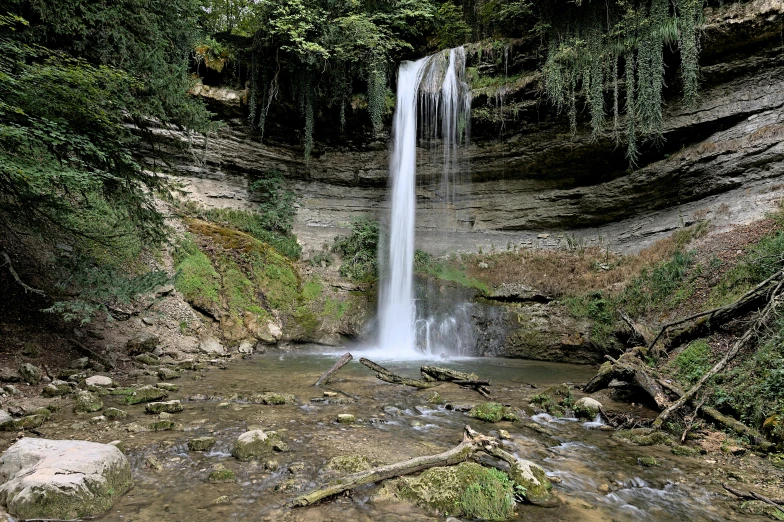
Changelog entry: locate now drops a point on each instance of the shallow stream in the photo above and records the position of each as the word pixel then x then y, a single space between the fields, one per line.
pixel 598 477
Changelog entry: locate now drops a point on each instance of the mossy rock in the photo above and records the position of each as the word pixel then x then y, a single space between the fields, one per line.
pixel 145 394
pixel 587 408
pixel 167 374
pixel 201 443
pixel 163 425
pixel 272 398
pixel 163 407
pixel 28 422
pixel 647 461
pixel 466 490
pixel 760 509
pixel 435 398
pixel 220 474
pixel 169 387
pixel 554 400
pixel 87 402
pixel 122 391
pixel 493 412
pixel 773 428
pixel 684 451
pixel 644 437
pixel 57 388
pixel 349 463
pixel 254 444
pixel 346 418
pixel 114 413
pixel 147 358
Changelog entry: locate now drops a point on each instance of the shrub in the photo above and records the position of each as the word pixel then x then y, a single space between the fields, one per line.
pixel 359 250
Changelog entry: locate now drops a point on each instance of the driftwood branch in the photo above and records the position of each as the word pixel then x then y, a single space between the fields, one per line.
pixel 387 376
pixel 747 337
pixel 326 376
pixel 753 495
pixel 467 380
pixel 638 331
pixel 473 442
pixel 27 288
pixel 749 301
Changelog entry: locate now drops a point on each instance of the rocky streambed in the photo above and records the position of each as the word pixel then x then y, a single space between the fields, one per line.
pixel 237 439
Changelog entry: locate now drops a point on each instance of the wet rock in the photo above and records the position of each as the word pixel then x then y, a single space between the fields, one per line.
pixel 79 364
pixel 222 500
pixel 245 347
pixel 146 358
pixel 87 402
pixel 533 479
pixel 30 373
pixel 280 446
pixel 163 425
pixel 603 488
pixel 28 422
pixel 9 375
pixel 220 474
pixel 167 386
pixel 211 346
pixel 114 414
pixel 272 398
pixel 349 463
pixel 647 461
pixel 346 418
pixel 493 412
pixel 166 374
pixel 153 462
pixel 62 479
pixel 173 406
pixel 12 390
pixel 145 394
pixel 435 398
pixel 587 408
pixel 57 388
pixel 99 381
pixel 504 435
pixel 144 343
pixel 254 444
pixel 201 443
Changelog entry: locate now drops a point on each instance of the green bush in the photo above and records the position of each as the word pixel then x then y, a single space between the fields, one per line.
pixel 359 250
pixel 276 201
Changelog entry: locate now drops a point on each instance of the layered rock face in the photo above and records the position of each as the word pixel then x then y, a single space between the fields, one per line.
pixel 534 175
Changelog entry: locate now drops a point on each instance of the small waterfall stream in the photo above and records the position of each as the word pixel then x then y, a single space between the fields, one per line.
pixel 435 87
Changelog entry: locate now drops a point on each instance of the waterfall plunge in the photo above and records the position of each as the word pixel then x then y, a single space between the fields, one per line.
pixel 435 85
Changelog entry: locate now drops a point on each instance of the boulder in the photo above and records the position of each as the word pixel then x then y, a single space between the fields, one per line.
pixel 163 407
pixel 62 479
pixel 114 414
pixel 211 346
pixel 166 374
pixel 144 343
pixel 346 418
pixel 245 347
pixel 87 402
pixel 80 364
pixel 30 373
pixel 57 388
pixel 201 443
pixel 253 444
pixel 587 408
pixel 145 394
pixel 99 381
pixel 8 375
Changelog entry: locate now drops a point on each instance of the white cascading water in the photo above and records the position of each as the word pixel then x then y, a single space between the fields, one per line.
pixel 436 84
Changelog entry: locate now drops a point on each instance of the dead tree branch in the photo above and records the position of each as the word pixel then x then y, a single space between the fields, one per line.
pixel 326 376
pixel 27 288
pixel 387 376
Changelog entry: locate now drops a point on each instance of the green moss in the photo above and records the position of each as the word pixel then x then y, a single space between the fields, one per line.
pixel 145 394
pixel 254 444
pixel 114 414
pixel 196 279
pixel 492 412
pixel 87 402
pixel 684 451
pixel 647 461
pixel 643 437
pixel 693 361
pixel 452 270
pixel 349 463
pixel 465 490
pixel 201 443
pixel 163 425
pixel 554 400
pixel 221 476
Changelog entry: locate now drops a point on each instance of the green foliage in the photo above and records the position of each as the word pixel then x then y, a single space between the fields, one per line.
pixel 276 201
pixel 492 412
pixel 359 250
pixel 196 279
pixel 694 361
pixel 489 498
pixel 451 29
pixel 587 40
pixel 661 285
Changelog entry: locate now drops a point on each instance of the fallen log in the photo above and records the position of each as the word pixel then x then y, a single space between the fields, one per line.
pixel 707 321
pixel 747 337
pixel 446 374
pixel 520 471
pixel 387 376
pixel 628 368
pixel 326 376
pixel 753 495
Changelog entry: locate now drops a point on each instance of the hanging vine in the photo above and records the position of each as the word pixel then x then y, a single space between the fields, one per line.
pixel 587 42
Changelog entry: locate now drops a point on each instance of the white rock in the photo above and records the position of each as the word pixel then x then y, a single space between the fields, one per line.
pixel 274 330
pixel 62 479
pixel 212 346
pixel 99 380
pixel 589 403
pixel 245 347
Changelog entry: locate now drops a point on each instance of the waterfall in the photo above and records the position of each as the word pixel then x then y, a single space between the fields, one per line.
pixel 435 85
